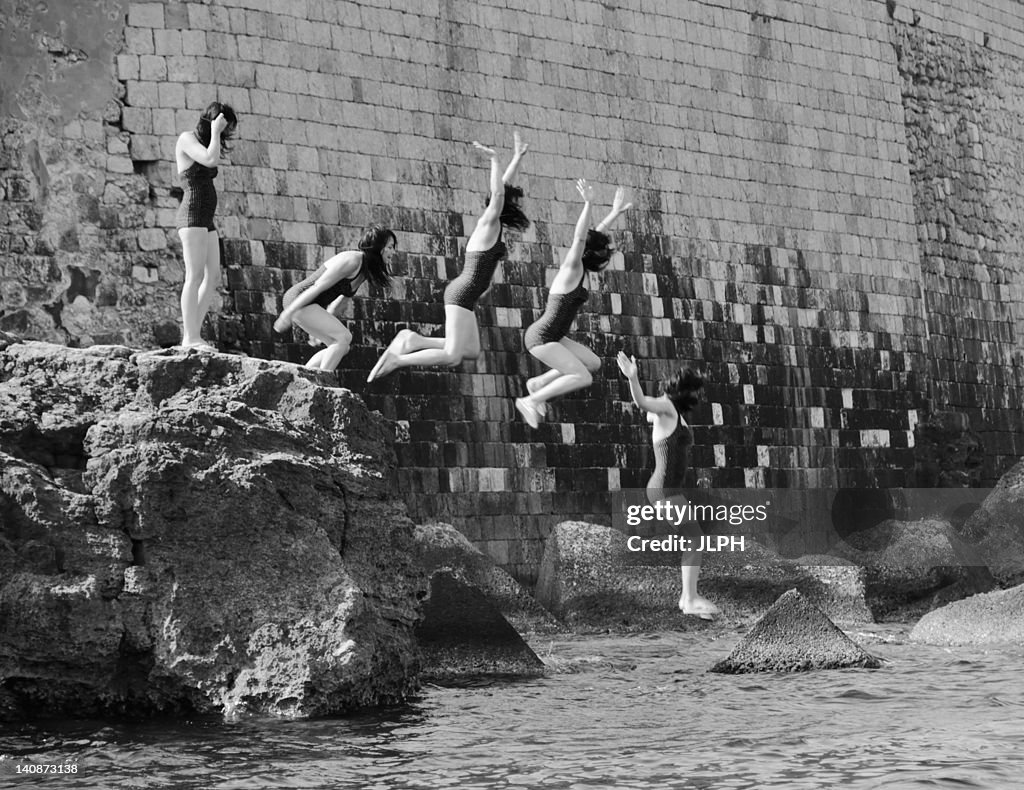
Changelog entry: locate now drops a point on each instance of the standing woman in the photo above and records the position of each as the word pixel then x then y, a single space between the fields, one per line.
pixel 572 364
pixel 484 251
pixel 313 303
pixel 196 154
pixel 671 438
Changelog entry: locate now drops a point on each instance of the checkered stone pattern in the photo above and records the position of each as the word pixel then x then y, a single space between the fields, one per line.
pixel 820 222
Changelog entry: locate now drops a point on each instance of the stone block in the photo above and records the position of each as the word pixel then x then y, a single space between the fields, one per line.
pixel 152 239
pixel 146 15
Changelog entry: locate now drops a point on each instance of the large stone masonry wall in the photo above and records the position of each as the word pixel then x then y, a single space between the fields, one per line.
pixel 963 96
pixel 775 239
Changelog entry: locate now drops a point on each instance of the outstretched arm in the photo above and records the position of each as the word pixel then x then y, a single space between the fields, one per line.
pixel 517 156
pixel 629 369
pixel 619 206
pixel 579 239
pixel 497 200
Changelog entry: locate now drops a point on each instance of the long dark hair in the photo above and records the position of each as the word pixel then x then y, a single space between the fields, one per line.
pixel 598 251
pixel 372 244
pixel 512 215
pixel 682 388
pixel 203 130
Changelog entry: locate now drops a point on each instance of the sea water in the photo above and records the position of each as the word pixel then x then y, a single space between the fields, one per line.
pixel 635 711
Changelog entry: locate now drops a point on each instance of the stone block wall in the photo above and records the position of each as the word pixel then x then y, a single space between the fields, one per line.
pixel 779 155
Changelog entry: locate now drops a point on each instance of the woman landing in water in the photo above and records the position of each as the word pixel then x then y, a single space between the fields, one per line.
pixel 312 304
pixel 196 154
pixel 572 364
pixel 484 251
pixel 671 438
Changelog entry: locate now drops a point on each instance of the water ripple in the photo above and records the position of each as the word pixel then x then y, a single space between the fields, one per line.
pixel 635 712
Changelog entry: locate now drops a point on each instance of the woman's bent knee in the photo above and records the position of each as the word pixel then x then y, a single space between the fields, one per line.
pixel 584 379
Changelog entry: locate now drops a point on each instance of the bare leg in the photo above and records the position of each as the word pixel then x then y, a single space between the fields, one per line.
pixel 211 275
pixel 194 249
pixel 690 601
pixel 326 328
pixel 461 341
pixel 537 382
pixel 573 363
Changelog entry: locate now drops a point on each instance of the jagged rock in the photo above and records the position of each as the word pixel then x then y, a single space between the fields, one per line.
pixel 196 532
pixel 442 547
pixel 463 635
pixel 914 566
pixel 988 618
pixel 996 529
pixel 793 636
pixel 590 579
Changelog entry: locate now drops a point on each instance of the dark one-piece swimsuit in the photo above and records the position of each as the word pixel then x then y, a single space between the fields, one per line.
pixel 558 316
pixel 670 461
pixel 475 277
pixel 199 199
pixel 345 287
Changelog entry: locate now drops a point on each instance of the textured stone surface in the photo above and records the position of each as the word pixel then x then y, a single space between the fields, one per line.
pixel 196 532
pixel 996 529
pixel 441 547
pixel 912 567
pixel 827 204
pixel 462 635
pixel 794 636
pixel 589 579
pixel 985 619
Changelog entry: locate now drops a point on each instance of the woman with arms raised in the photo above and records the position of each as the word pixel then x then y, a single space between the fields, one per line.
pixel 671 438
pixel 572 364
pixel 484 251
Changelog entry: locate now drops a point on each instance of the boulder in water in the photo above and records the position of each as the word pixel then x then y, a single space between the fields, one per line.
pixel 986 619
pixel 794 635
pixel 996 529
pixel 912 567
pixel 442 547
pixel 463 635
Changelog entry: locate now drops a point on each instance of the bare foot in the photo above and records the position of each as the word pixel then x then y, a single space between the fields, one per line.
pixel 529 411
pixel 388 363
pixel 199 345
pixel 532 385
pixel 699 606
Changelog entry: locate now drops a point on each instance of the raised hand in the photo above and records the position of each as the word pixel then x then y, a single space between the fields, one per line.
pixel 218 124
pixel 586 191
pixel 281 324
pixel 627 365
pixel 489 151
pixel 518 145
pixel 618 204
